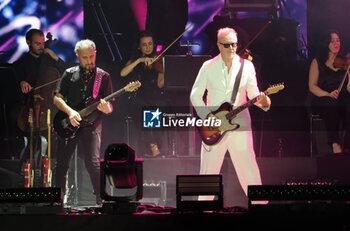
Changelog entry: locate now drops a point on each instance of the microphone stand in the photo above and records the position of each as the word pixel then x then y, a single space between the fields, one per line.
pixel 98 13
pixel 188 45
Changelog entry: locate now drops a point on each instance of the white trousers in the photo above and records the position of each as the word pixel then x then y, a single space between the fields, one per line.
pixel 239 143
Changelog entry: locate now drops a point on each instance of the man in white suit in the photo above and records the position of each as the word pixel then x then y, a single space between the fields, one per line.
pixel 218 76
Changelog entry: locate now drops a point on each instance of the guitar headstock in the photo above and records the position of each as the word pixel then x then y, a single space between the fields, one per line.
pixel 132 86
pixel 48 117
pixel 274 89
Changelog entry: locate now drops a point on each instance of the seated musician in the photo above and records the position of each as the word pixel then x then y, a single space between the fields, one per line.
pixel 331 103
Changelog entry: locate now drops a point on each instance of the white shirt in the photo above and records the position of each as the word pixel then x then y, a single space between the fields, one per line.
pixel 214 77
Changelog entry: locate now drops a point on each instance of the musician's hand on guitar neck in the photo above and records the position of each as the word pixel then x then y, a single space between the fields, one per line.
pixel 25 87
pixel 74 118
pixel 105 106
pixel 264 100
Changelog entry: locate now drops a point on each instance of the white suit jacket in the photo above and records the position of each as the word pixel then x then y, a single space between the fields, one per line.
pixel 214 77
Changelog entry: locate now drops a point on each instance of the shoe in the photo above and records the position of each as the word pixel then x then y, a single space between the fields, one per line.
pixel 155 152
pixel 155 149
pixel 336 148
pixel 99 201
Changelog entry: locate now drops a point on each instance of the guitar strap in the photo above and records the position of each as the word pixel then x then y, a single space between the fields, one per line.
pixel 237 81
pixel 97 83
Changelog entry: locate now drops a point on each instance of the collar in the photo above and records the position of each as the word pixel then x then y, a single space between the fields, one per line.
pixel 235 59
pixel 87 76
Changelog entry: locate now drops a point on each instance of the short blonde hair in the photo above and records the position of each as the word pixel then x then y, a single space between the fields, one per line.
pixel 225 31
pixel 86 43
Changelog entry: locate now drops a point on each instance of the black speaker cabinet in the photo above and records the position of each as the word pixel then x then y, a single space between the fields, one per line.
pixel 180 71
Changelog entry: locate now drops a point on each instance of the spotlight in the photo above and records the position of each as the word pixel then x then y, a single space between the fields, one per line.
pixel 121 179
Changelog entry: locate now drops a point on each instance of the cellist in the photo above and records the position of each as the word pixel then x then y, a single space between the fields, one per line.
pixel 30 69
pixel 36 67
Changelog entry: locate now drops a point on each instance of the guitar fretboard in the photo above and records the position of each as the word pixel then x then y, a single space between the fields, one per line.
pixel 93 106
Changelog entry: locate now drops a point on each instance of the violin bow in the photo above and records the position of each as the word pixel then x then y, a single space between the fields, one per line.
pixel 45 84
pixel 157 57
pixel 255 37
pixel 343 80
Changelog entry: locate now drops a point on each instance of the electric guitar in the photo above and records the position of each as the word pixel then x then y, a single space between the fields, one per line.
pixel 225 113
pixel 47 160
pixel 62 125
pixel 28 167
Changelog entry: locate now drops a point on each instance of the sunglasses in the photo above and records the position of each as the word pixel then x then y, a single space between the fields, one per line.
pixel 228 45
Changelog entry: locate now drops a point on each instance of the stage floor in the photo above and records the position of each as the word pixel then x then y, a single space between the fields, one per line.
pixel 274 171
pixel 176 221
pixel 159 176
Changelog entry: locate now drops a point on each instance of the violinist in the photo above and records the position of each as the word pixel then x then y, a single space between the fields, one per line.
pixel 330 101
pixel 143 67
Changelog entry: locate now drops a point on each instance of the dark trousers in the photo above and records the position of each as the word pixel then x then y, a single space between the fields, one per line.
pixel 333 112
pixel 88 140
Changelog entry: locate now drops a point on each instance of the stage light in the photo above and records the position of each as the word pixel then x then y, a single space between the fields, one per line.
pixel 121 179
pixel 250 5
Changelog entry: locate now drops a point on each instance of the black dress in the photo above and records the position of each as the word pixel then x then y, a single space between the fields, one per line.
pixel 335 112
pixel 148 96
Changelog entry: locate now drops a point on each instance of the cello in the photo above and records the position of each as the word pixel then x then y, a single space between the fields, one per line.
pixel 41 97
pixel 34 115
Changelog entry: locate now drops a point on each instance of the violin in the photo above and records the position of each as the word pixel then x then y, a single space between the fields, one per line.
pixel 156 65
pixel 342 62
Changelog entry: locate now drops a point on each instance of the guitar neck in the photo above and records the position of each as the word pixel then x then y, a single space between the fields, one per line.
pixel 31 148
pixel 49 145
pixel 234 112
pixel 93 106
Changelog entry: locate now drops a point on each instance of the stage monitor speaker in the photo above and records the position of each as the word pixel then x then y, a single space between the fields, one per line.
pixel 188 187
pixel 180 71
pixel 299 198
pixel 30 201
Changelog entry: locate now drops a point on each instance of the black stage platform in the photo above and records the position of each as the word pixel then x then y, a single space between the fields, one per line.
pixel 274 171
pixel 160 176
pixel 187 221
